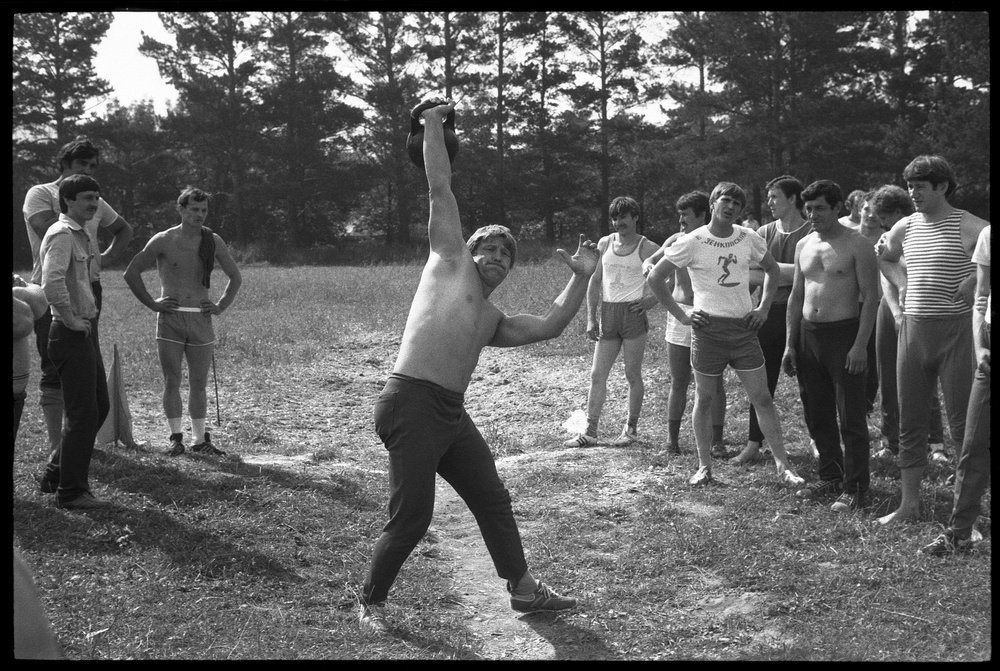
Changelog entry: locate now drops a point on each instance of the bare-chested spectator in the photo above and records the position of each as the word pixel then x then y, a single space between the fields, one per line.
pixel 420 415
pixel 831 313
pixel 184 257
pixel 935 336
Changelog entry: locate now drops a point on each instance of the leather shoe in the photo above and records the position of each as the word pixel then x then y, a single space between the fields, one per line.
pixel 85 501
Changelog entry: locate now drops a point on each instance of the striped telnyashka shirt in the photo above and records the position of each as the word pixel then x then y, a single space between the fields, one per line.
pixel 936 263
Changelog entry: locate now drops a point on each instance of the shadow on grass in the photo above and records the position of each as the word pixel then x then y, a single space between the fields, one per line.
pixel 175 483
pixel 568 640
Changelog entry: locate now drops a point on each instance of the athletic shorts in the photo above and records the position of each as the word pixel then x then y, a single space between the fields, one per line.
pixel 620 323
pixel 678 333
pixel 185 328
pixel 726 341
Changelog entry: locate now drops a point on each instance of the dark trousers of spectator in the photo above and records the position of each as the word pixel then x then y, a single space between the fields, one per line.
pixel 85 398
pixel 49 385
pixel 972 474
pixel 771 337
pixel 886 337
pixel 835 394
pixel 427 432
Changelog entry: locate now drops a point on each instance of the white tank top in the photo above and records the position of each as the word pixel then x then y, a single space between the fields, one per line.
pixel 622 281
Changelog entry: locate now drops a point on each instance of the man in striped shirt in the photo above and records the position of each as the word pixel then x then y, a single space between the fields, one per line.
pixel 935 337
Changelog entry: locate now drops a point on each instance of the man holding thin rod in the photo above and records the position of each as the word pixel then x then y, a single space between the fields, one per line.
pixel 184 257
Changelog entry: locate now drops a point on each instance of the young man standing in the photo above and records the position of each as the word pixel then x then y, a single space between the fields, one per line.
pixel 616 319
pixel 420 415
pixel 184 257
pixel 42 210
pixel 935 337
pixel 784 199
pixel 831 313
pixel 66 255
pixel 692 210
pixel 719 257
pixel 972 475
pixel 887 205
pixel 854 202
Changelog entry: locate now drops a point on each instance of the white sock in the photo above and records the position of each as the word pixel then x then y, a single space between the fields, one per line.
pixel 198 429
pixel 175 424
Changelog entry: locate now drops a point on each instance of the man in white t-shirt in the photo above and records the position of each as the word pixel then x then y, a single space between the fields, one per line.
pixel 41 211
pixel 719 257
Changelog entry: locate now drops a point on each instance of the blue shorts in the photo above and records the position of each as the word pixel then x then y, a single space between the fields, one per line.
pixel 726 341
pixel 620 323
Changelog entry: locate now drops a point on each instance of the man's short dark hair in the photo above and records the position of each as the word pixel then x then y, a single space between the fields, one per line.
pixel 933 169
pixel 74 185
pixel 494 231
pixel 696 201
pixel 790 186
pixel 192 193
pixel 81 148
pixel 624 205
pixel 890 199
pixel 824 188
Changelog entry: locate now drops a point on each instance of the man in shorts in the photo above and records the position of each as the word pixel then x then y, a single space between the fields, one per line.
pixel 617 302
pixel 719 257
pixel 420 415
pixel 831 313
pixel 935 337
pixel 692 211
pixel 184 257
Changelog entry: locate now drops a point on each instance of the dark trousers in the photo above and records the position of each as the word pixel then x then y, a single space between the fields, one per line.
pixel 972 474
pixel 426 431
pixel 85 399
pixel 50 376
pixel 886 348
pixel 18 411
pixel 932 349
pixel 771 337
pixel 835 394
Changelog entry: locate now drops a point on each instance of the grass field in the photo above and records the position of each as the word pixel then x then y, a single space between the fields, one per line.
pixel 260 554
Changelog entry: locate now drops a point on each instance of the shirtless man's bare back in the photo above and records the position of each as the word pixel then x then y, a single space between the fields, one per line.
pixel 184 257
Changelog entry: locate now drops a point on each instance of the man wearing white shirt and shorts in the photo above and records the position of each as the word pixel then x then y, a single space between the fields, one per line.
pixel 693 212
pixel 719 257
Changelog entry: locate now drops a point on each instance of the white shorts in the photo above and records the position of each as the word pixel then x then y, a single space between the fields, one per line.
pixel 677 333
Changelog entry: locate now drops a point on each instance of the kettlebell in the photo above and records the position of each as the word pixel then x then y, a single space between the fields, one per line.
pixel 415 140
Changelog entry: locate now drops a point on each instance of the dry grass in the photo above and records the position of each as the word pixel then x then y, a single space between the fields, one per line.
pixel 259 555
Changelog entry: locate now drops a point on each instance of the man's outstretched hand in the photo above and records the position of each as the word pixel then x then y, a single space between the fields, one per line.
pixel 585 261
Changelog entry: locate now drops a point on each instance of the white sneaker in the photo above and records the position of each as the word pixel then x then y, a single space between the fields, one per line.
pixel 702 477
pixel 937 453
pixel 372 618
pixel 790 478
pixel 629 436
pixel 581 440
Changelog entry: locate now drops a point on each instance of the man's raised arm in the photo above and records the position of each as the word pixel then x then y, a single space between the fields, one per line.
pixel 444 228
